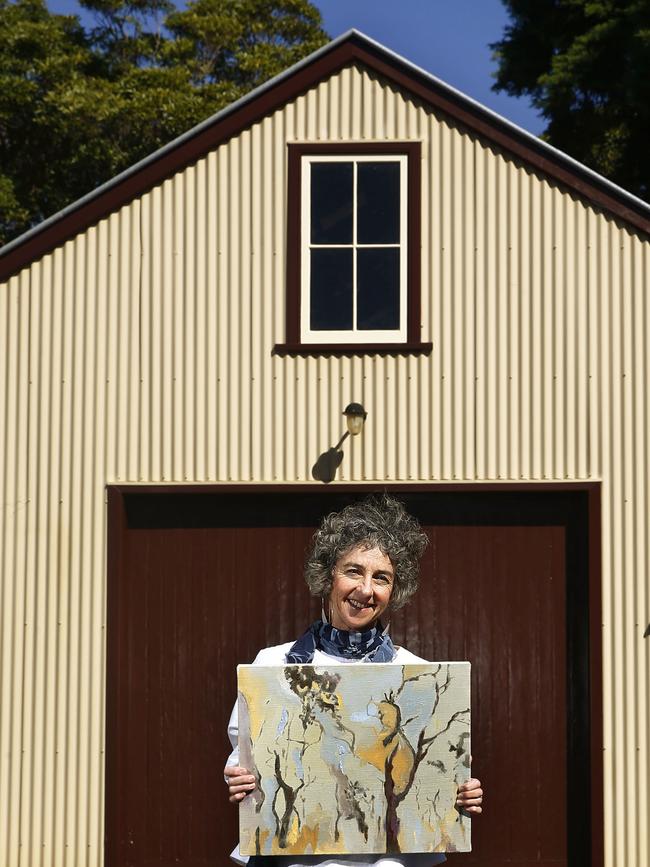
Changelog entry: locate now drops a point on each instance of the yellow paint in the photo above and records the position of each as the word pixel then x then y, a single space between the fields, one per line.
pixel 402 764
pixel 377 754
pixel 307 840
pixel 387 715
pixel 410 671
pixel 293 833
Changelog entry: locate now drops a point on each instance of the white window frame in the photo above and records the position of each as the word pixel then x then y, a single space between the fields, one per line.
pixel 354 334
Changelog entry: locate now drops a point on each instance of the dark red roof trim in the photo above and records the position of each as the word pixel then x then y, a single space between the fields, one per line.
pixel 354 49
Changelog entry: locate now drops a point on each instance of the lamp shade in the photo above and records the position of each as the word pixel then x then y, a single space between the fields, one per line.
pixel 355 416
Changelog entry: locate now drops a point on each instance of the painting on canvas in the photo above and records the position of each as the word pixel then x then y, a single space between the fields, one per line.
pixel 354 759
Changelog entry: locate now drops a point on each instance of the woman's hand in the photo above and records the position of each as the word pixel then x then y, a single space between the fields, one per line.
pixel 240 782
pixel 470 797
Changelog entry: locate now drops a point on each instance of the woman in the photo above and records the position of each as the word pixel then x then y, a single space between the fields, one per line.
pixel 363 564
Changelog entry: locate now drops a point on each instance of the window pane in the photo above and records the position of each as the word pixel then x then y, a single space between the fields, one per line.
pixel 331 203
pixel 378 289
pixel 378 203
pixel 331 290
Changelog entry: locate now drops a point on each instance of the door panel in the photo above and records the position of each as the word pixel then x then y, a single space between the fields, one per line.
pixel 496 596
pixel 198 583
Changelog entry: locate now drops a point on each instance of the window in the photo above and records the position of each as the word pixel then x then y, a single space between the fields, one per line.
pixel 353 248
pixel 353 256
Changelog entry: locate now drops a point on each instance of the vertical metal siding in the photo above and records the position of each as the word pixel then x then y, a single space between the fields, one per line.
pixel 141 351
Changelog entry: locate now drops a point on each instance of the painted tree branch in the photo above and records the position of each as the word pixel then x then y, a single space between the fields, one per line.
pixel 290 795
pixel 397 737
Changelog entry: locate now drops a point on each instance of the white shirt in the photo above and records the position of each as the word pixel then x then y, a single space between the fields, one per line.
pixel 277 656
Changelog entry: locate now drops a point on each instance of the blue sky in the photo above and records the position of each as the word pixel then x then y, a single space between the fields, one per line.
pixel 449 38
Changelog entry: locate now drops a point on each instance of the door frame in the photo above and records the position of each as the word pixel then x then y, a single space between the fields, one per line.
pixel 591 837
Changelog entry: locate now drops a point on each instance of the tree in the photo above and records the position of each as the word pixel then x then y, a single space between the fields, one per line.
pixel 46 68
pixel 78 105
pixel 586 66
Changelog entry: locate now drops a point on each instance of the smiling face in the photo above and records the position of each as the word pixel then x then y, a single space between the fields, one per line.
pixel 362 583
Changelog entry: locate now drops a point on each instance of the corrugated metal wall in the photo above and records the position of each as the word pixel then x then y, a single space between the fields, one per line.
pixel 141 351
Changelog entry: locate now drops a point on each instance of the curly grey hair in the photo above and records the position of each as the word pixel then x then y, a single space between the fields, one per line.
pixel 374 522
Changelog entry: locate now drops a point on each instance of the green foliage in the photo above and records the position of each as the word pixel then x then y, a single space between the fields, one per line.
pixel 78 105
pixel 586 66
pixel 243 42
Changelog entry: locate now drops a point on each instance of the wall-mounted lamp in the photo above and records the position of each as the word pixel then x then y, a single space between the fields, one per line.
pixel 355 416
pixel 328 463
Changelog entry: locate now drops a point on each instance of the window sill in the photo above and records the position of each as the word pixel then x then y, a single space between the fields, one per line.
pixel 304 349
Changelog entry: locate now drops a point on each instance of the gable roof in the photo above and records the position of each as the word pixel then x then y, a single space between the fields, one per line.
pixel 350 48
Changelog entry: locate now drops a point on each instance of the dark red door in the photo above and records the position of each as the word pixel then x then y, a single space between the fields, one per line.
pixel 199 582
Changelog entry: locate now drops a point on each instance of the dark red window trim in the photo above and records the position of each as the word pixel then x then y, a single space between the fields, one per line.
pixel 413 151
pixel 339 349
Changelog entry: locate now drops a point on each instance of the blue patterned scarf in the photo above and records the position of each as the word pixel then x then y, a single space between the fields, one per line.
pixel 370 646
